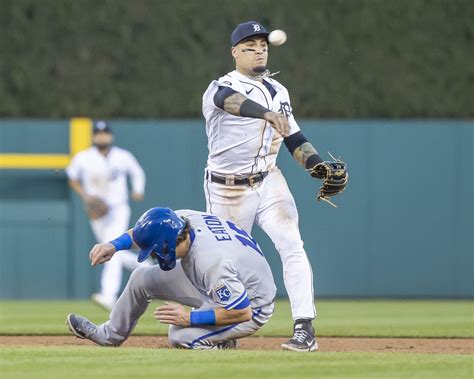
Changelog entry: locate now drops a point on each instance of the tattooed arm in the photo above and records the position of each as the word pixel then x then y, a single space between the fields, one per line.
pixel 237 104
pixel 306 155
pixel 302 150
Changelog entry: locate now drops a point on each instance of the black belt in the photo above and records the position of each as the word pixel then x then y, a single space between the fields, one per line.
pixel 232 180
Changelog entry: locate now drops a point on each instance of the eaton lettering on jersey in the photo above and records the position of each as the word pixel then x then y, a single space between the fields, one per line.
pixel 215 226
pixel 222 292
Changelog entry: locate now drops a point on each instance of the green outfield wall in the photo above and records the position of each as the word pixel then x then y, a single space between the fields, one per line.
pixel 154 58
pixel 403 227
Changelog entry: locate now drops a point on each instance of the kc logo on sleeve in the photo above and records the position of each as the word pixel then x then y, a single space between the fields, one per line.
pixel 222 292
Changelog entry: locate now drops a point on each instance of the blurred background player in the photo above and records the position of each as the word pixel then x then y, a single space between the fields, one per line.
pixel 99 176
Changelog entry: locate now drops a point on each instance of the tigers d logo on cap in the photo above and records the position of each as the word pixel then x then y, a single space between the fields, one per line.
pixel 246 30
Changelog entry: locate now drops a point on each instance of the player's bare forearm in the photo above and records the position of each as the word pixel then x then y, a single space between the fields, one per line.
pixel 303 152
pixel 103 252
pixel 176 314
pixel 239 105
pixel 233 316
pixel 233 103
pixel 77 187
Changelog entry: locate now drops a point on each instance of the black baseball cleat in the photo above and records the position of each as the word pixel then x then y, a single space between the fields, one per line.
pixel 80 326
pixel 303 339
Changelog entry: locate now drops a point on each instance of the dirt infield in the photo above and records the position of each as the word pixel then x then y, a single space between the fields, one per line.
pixel 326 344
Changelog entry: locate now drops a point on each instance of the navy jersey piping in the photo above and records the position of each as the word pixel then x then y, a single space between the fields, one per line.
pixel 266 123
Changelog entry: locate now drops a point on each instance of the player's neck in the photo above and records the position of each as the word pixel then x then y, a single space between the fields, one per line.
pixel 183 248
pixel 104 151
pixel 250 74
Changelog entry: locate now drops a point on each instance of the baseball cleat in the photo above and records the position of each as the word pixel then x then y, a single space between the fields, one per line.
pixel 303 339
pixel 223 345
pixel 102 301
pixel 226 345
pixel 80 326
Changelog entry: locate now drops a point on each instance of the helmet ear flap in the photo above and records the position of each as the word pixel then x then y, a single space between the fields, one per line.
pixel 166 256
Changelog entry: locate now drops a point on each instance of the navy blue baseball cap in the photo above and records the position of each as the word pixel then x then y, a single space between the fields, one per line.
pixel 246 30
pixel 101 127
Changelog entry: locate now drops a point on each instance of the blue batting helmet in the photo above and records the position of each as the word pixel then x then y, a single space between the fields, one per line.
pixel 156 232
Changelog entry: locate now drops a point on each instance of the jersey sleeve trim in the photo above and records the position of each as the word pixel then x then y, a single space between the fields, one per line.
pixel 237 304
pixel 244 304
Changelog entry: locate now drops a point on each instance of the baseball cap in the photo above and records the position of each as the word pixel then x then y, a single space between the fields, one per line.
pixel 247 29
pixel 101 126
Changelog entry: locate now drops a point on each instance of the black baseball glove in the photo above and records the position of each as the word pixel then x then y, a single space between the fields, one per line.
pixel 334 176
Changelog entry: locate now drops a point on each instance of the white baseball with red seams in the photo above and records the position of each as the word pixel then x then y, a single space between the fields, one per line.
pixel 277 37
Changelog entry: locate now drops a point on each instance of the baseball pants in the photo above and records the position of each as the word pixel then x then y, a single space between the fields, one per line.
pixel 147 283
pixel 271 206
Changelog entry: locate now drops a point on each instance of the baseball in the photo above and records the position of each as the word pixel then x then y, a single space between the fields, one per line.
pixel 277 37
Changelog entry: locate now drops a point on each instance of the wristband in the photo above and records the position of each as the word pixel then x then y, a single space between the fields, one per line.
pixel 124 242
pixel 313 160
pixel 202 318
pixel 250 108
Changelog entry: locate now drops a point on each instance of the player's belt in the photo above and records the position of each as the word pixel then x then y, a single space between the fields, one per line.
pixel 233 180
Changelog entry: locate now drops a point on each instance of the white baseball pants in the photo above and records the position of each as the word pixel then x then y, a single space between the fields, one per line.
pixel 271 206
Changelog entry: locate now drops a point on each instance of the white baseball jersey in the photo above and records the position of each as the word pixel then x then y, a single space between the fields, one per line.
pixel 242 145
pixel 106 176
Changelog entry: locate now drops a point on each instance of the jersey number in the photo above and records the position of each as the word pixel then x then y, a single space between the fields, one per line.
pixel 244 238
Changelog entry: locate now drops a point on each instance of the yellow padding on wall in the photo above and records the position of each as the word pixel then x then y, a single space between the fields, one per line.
pixel 80 135
pixel 34 161
pixel 80 138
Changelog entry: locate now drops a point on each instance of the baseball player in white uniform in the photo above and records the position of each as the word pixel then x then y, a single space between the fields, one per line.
pixel 248 115
pixel 204 262
pixel 99 176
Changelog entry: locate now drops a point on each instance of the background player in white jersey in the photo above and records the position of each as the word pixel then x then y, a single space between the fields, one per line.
pixel 248 115
pixel 99 176
pixel 220 270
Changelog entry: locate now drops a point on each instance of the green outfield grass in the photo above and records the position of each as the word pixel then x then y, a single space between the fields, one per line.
pixel 96 362
pixel 336 318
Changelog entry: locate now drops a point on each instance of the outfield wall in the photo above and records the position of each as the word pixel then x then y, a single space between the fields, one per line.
pixel 403 227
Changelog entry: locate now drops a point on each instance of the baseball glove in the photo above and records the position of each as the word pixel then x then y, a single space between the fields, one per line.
pixel 334 176
pixel 95 207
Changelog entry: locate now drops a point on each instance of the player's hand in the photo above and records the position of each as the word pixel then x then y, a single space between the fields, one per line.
pixel 137 196
pixel 172 313
pixel 101 253
pixel 279 122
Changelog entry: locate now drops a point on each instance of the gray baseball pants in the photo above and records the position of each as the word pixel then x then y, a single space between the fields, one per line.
pixel 147 283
